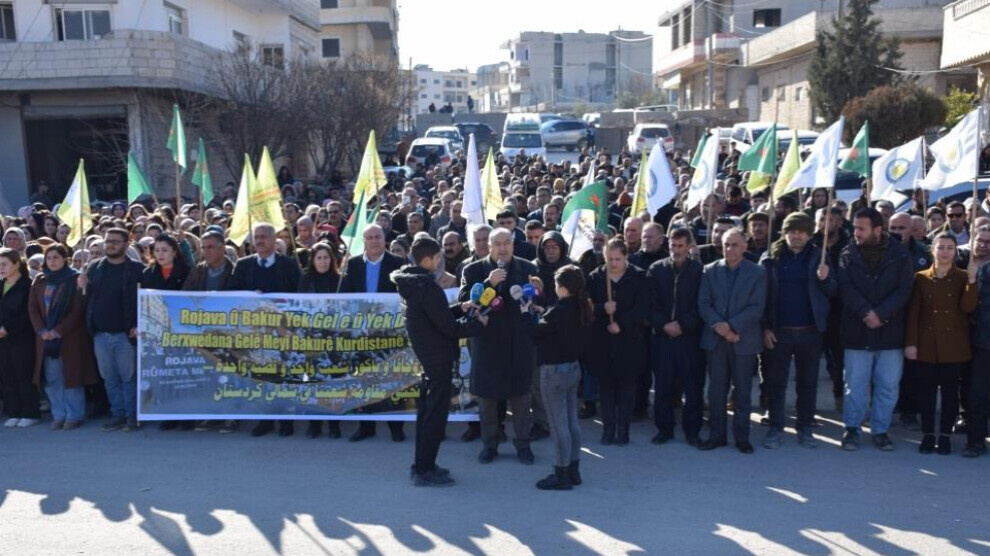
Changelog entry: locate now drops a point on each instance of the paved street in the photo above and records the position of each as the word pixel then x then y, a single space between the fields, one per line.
pixel 182 493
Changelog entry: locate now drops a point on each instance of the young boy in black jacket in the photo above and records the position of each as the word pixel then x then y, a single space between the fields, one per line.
pixel 434 329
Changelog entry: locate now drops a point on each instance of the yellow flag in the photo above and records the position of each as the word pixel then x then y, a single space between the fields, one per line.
pixel 372 175
pixel 240 223
pixel 642 187
pixel 490 188
pixel 266 200
pixel 792 162
pixel 74 210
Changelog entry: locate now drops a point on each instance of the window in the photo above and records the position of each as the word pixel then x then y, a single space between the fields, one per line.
pixel 241 41
pixel 436 81
pixel 675 24
pixel 424 95
pixel 174 15
pixel 686 26
pixel 422 82
pixel 474 83
pixel 798 93
pixel 766 18
pixel 459 84
pixel 558 53
pixel 78 25
pixel 558 78
pixel 460 98
pixel 781 93
pixel 273 55
pixel 328 4
pixel 449 84
pixel 7 23
pixel 331 48
pixel 765 94
pixel 436 96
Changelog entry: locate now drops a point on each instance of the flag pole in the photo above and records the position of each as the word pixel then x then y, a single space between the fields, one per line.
pixel 178 190
pixel 202 210
pixel 828 216
pixel 976 178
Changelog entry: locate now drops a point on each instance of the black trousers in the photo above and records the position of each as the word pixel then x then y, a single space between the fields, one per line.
pixel 369 426
pixel 432 410
pixel 678 360
pixel 644 382
pixel 834 353
pixel 617 394
pixel 20 397
pixel 979 391
pixel 909 394
pixel 933 378
pixel 725 367
pixel 805 348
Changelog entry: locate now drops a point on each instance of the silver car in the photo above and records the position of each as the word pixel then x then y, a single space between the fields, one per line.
pixel 570 134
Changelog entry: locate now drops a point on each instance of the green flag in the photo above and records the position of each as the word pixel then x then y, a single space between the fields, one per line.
pixel 697 152
pixel 858 158
pixel 592 197
pixel 353 234
pixel 201 177
pixel 137 184
pixel 177 139
pixel 761 159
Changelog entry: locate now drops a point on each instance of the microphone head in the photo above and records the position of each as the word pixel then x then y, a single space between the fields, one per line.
pixel 501 264
pixel 497 304
pixel 486 297
pixel 516 292
pixel 529 291
pixel 476 291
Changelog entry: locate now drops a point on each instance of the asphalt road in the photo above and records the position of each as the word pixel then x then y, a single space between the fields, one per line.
pixel 153 492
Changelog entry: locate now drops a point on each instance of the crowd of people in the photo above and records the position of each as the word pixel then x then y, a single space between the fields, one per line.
pixel 733 290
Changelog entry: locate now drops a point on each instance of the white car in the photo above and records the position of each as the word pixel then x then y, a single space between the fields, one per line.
pixel 430 150
pixel 527 140
pixel 644 136
pixel 805 139
pixel 449 132
pixel 747 133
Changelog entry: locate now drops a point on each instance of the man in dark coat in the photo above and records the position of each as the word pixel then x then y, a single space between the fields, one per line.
pixel 266 272
pixel 434 329
pixel 503 357
pixel 370 273
pixel 875 279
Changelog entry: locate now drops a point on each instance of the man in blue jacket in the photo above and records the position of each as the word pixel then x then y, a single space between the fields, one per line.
pixel 731 300
pixel 798 287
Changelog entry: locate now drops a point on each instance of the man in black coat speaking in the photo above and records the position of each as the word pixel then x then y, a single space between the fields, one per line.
pixel 503 357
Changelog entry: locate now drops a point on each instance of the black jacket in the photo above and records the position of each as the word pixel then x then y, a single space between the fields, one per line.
pixel 674 296
pixel 14 317
pixel 133 271
pixel 625 353
pixel 645 259
pixel 152 279
pixel 315 283
pixel 287 273
pixel 546 269
pixel 357 270
pixel 433 326
pixel 560 336
pixel 503 357
pixel 819 292
pixel 886 292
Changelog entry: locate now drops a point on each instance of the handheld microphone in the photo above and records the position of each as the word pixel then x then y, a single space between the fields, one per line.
pixel 485 301
pixel 516 292
pixel 497 304
pixel 529 294
pixel 476 291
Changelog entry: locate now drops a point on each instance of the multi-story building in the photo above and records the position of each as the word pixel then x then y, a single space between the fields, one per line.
pixel 441 88
pixel 359 26
pixel 563 69
pixel 493 81
pixel 756 55
pixel 966 40
pixel 76 80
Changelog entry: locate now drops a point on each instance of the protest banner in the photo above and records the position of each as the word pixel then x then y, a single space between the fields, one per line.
pixel 241 355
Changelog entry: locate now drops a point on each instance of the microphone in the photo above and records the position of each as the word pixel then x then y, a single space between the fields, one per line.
pixel 485 300
pixel 497 304
pixel 516 292
pixel 529 292
pixel 501 266
pixel 476 292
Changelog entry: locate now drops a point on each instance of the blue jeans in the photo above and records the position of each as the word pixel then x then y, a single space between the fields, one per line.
pixel 68 404
pixel 116 358
pixel 880 368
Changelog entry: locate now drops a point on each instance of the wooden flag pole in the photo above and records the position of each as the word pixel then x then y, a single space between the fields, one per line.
pixel 976 178
pixel 178 190
pixel 828 216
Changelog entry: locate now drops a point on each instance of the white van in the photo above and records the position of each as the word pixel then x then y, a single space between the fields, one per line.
pixel 521 132
pixel 747 133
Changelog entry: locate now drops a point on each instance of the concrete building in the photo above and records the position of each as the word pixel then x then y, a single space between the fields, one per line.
pixel 491 94
pixel 966 40
pixel 442 88
pixel 93 81
pixel 559 70
pixel 760 53
pixel 352 26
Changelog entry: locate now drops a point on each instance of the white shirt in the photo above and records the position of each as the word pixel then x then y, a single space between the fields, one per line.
pixel 267 261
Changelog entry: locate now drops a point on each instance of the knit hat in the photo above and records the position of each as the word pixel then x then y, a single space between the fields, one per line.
pixel 799 222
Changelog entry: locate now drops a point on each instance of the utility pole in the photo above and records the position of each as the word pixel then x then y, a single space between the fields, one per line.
pixel 710 85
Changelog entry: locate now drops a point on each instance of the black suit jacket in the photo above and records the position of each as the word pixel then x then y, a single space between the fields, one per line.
pixel 357 270
pixel 287 274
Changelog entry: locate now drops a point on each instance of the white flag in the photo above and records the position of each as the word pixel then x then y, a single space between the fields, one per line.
pixel 955 154
pixel 579 230
pixel 898 170
pixel 662 187
pixel 592 170
pixel 473 209
pixel 703 180
pixel 818 170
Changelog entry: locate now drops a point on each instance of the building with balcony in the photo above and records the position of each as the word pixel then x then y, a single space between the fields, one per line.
pixel 559 70
pixel 781 58
pixel 94 80
pixel 966 40
pixel 349 27
pixel 441 88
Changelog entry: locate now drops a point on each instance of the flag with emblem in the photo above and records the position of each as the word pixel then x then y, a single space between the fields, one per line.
pixel 703 180
pixel 900 169
pixel 761 160
pixel 697 152
pixel 586 211
pixel 642 184
pixel 74 211
pixel 858 158
pixel 177 139
pixel 790 166
pixel 818 170
pixel 955 154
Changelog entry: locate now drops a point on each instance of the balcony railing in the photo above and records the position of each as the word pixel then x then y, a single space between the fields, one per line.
pixel 966 7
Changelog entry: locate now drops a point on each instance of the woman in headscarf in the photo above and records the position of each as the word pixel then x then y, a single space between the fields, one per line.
pixel 64 360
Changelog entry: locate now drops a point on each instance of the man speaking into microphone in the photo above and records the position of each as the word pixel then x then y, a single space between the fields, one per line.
pixel 503 357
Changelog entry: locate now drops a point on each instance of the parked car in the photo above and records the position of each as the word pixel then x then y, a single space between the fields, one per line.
pixel 449 132
pixel 592 118
pixel 570 134
pixel 644 136
pixel 549 117
pixel 430 150
pixel 849 185
pixel 747 133
pixel 484 135
pixel 959 192
pixel 805 139
pixel 515 141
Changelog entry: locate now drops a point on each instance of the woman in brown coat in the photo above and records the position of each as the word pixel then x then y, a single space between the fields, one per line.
pixel 63 348
pixel 938 338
